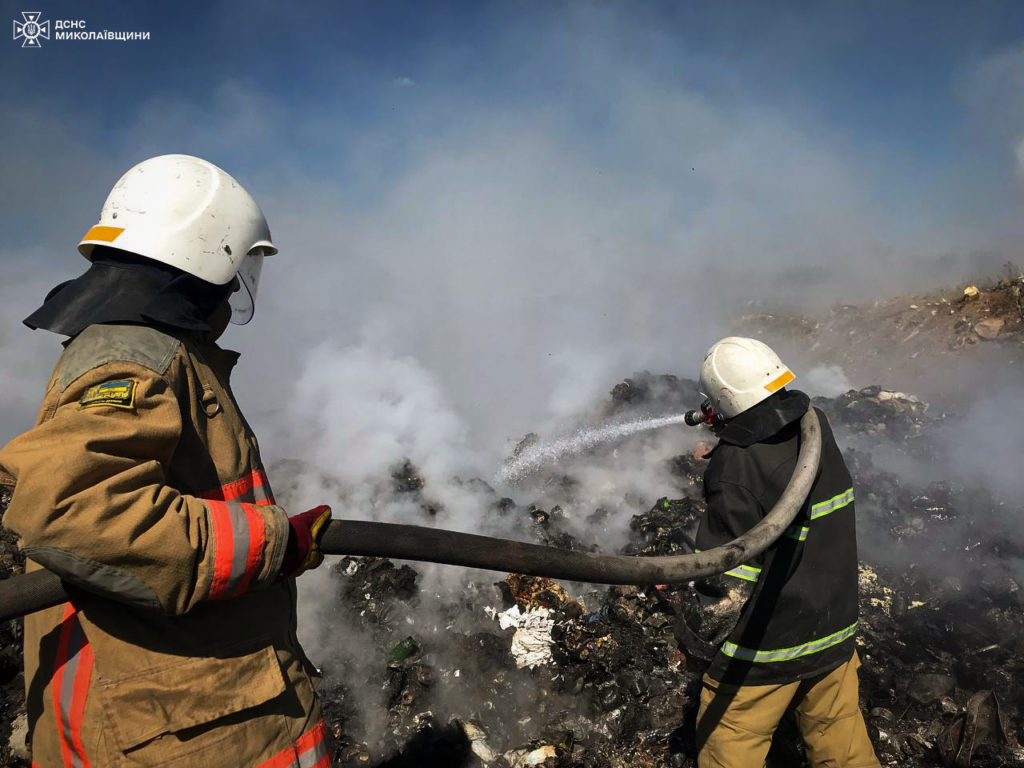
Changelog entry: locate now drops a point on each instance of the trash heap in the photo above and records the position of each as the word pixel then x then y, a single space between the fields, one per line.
pixel 432 666
pixel 518 673
pixel 521 672
pixel 942 615
pixel 906 339
pixel 875 411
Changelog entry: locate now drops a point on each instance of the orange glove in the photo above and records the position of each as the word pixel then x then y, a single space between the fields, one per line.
pixel 303 549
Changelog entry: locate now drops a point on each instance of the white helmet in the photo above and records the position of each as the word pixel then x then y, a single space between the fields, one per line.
pixel 738 373
pixel 186 212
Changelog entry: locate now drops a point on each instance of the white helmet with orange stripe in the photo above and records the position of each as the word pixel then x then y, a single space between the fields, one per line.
pixel 186 212
pixel 738 373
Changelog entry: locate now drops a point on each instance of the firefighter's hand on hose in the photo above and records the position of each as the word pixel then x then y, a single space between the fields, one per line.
pixel 303 549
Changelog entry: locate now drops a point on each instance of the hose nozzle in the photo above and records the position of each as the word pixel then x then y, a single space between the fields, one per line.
pixel 705 415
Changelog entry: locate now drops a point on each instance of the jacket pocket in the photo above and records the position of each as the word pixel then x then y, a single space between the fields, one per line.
pixel 188 693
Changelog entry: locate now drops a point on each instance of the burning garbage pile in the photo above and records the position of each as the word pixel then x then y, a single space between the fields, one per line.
pixel 876 411
pixel 521 671
pixel 518 673
pixel 432 666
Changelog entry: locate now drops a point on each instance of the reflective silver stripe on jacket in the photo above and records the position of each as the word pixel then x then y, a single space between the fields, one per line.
pixel 788 654
pixel 798 532
pixel 745 572
pixel 313 757
pixel 822 508
pixel 839 501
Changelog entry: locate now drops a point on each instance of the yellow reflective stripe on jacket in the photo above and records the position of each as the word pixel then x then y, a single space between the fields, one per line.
pixel 788 654
pixel 839 501
pixel 798 532
pixel 822 508
pixel 745 572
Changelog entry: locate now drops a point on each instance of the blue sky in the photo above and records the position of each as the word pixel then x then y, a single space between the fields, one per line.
pixel 596 184
pixel 883 78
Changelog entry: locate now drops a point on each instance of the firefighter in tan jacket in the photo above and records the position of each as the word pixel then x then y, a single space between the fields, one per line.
pixel 141 485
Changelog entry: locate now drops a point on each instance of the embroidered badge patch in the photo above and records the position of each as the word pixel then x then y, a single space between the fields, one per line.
pixel 119 394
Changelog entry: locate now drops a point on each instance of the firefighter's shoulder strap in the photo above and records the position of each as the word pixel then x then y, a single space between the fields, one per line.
pixel 101 344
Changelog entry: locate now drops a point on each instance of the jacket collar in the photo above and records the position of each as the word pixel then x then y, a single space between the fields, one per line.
pixel 766 418
pixel 221 360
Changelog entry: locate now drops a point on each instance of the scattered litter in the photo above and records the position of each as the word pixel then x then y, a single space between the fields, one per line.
pixel 981 724
pixel 989 329
pixel 522 758
pixel 478 743
pixel 531 643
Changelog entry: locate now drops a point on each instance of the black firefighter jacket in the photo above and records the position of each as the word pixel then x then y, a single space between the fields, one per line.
pixel 797 602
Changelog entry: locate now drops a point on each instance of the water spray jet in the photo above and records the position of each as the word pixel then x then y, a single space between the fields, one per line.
pixel 533 457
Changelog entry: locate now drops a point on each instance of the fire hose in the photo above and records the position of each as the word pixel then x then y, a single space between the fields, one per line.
pixel 41 589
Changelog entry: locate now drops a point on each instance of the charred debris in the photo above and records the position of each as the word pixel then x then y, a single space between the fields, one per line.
pixel 425 666
pixel 522 672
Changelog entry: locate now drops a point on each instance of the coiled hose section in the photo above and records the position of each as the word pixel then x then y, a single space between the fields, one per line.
pixel 41 589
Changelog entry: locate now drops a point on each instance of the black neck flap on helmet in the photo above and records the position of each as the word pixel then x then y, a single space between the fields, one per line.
pixel 765 419
pixel 120 287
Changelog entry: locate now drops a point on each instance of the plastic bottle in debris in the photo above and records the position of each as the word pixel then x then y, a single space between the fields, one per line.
pixel 403 650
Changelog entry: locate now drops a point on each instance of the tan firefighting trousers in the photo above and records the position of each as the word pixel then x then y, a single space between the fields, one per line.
pixel 827 711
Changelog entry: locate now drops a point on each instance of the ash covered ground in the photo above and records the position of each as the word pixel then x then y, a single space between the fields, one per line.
pixel 431 666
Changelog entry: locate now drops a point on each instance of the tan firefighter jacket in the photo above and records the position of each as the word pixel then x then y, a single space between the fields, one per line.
pixel 141 485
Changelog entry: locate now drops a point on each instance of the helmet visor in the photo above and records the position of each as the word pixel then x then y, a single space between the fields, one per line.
pixel 243 301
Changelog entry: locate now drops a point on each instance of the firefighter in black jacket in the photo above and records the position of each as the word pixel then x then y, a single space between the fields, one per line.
pixel 786 621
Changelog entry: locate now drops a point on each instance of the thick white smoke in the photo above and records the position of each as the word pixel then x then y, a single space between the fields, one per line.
pixel 825 380
pixel 356 411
